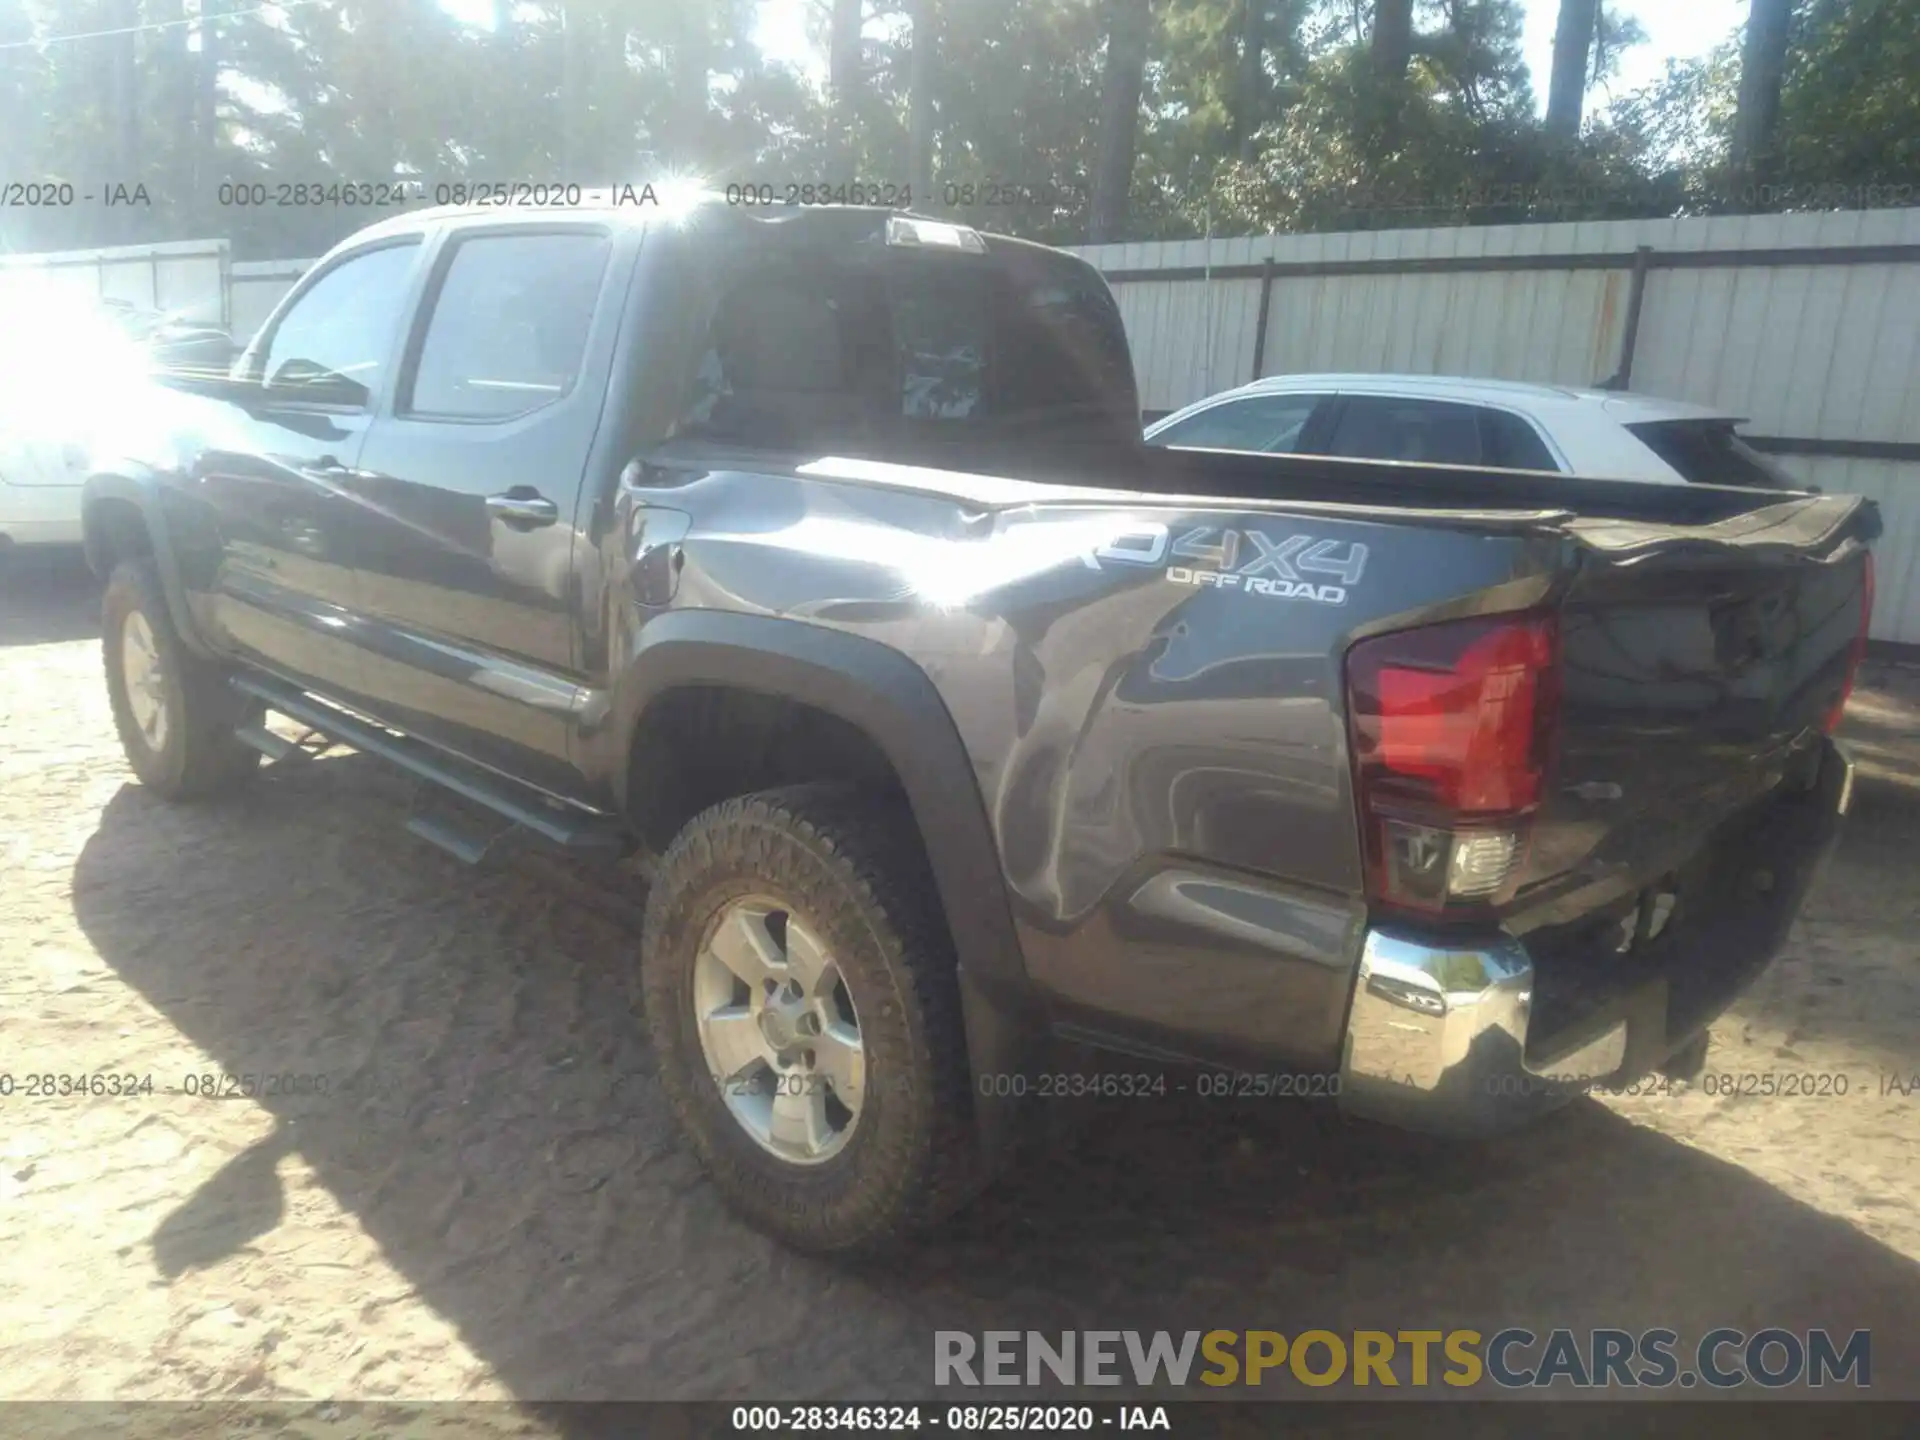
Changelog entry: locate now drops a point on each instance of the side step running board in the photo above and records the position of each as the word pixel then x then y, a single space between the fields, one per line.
pixel 467 849
pixel 274 747
pixel 571 830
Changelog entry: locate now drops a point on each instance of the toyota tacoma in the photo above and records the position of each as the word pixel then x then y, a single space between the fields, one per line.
pixel 816 554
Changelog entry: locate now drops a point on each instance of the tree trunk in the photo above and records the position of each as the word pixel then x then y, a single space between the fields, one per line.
pixel 1763 64
pixel 1250 92
pixel 205 149
pixel 684 126
pixel 920 89
pixel 1572 51
pixel 124 80
pixel 170 115
pixel 1392 38
pixel 573 68
pixel 843 74
pixel 1129 27
pixel 493 80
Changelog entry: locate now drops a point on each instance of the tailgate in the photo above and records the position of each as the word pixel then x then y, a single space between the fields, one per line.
pixel 1699 667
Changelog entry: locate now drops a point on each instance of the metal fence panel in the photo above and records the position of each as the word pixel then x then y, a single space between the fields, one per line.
pixel 1822 354
pixel 188 277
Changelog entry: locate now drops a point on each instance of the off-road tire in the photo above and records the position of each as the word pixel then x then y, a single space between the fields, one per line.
pixel 198 756
pixel 850 866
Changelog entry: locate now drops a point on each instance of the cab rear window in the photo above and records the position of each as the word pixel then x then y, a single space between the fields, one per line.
pixel 871 348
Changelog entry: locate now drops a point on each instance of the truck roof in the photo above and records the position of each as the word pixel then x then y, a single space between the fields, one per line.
pixel 678 208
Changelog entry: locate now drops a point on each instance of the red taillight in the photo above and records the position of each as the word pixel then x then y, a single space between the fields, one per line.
pixel 1451 725
pixel 1855 653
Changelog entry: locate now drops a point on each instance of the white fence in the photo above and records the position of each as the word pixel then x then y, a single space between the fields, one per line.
pixel 1807 325
pixel 188 276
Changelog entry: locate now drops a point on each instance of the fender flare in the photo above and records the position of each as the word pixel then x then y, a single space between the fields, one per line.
pixel 142 492
pixel 894 703
pixel 880 692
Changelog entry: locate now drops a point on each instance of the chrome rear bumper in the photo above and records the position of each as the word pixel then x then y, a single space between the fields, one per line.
pixel 1440 1035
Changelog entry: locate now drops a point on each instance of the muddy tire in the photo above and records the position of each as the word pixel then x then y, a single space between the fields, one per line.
pixel 175 712
pixel 785 931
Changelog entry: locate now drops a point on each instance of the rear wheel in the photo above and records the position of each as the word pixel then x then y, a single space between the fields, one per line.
pixel 175 712
pixel 799 986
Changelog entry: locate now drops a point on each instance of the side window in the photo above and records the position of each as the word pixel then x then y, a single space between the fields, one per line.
pixel 1272 423
pixel 1381 427
pixel 509 326
pixel 330 347
pixel 1513 444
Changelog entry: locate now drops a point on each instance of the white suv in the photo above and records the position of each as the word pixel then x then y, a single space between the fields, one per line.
pixel 1496 423
pixel 67 365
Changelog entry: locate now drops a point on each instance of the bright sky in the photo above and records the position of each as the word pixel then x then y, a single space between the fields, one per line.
pixel 1676 30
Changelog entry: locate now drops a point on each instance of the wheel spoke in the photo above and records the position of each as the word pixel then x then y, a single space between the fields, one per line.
pixel 734 1041
pixel 778 1031
pixel 839 1057
pixel 743 944
pixel 139 639
pixel 799 1120
pixel 809 964
pixel 145 680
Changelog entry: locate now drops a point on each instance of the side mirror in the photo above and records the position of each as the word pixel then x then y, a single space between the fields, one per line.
pixel 300 379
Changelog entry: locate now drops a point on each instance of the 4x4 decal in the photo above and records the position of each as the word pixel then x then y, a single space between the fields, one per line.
pixel 1248 560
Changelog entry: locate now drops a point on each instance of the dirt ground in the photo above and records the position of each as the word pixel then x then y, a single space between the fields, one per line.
pixel 489 1203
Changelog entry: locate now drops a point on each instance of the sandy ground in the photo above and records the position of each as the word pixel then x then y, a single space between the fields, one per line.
pixel 488 1202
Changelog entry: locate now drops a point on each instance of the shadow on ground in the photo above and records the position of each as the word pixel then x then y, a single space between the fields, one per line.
pixel 47 596
pixel 494 1122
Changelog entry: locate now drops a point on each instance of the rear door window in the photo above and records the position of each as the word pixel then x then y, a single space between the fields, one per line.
pixel 1510 443
pixel 1383 427
pixel 509 325
pixel 1711 452
pixel 1274 424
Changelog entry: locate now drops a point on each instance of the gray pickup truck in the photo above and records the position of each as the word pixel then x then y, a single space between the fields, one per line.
pixel 816 554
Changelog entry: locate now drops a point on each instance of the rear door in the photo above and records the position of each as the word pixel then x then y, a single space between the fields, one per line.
pixel 466 496
pixel 1438 432
pixel 275 468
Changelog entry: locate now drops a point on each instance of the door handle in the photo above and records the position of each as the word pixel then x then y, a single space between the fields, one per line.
pixel 522 509
pixel 327 471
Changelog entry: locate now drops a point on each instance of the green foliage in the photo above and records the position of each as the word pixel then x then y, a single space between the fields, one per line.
pixel 1849 126
pixel 1016 93
pixel 1682 123
pixel 1301 133
pixel 1850 107
pixel 1614 35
